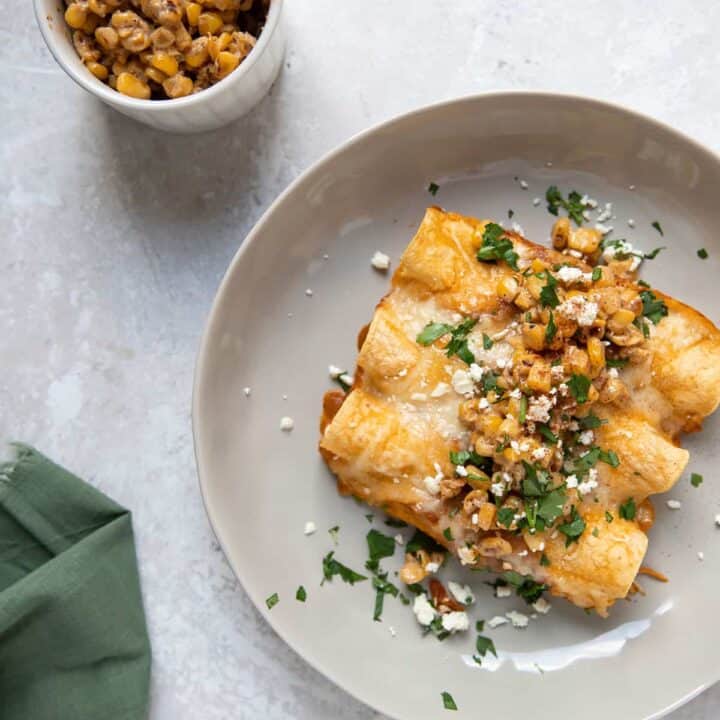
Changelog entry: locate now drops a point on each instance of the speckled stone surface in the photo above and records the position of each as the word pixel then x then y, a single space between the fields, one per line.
pixel 114 238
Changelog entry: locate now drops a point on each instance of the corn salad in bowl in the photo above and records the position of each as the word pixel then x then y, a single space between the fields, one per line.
pixel 163 49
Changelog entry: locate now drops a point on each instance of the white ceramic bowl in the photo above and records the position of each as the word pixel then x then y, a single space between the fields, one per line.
pixel 210 109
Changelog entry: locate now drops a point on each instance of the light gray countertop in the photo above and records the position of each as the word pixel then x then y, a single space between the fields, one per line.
pixel 114 239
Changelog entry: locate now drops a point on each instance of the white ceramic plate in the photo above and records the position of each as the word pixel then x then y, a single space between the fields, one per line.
pixel 261 485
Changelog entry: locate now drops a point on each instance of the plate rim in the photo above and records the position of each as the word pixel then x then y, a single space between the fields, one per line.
pixel 203 351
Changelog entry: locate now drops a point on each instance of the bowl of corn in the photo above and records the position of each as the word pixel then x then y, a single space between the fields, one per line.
pixel 176 65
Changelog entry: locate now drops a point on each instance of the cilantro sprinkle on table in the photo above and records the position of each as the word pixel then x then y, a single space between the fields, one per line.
pixel 433 188
pixel 696 480
pixel 301 594
pixel 332 567
pixel 656 225
pixel 573 205
pixel 272 601
pixel 627 510
pixel 448 702
pixel 702 253
pixel 447 534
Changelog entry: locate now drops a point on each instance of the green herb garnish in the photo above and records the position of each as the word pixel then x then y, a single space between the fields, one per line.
pixel 696 480
pixel 627 510
pixel 447 534
pixel 333 532
pixel 522 413
pixel 551 329
pixel 574 528
pixel 653 253
pixel 653 308
pixel 524 585
pixel 608 516
pixel 573 204
pixel 496 247
pixel 332 567
pixel 272 601
pixel 547 434
pixel 487 341
pixel 656 225
pixel 379 546
pixel 301 594
pixel 394 523
pixel 448 702
pixel 590 422
pixel 548 293
pixel 702 253
pixel 458 338
pixel 579 386
pixel 505 516
pixel 483 645
pixel 433 188
pixel 596 274
pixel 544 560
pixel 421 541
pixel 617 362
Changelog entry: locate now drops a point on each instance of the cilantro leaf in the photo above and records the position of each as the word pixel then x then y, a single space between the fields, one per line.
pixel 627 510
pixel 332 567
pixel 617 362
pixel 610 457
pixel 484 645
pixel 548 293
pixel 421 541
pixel 379 546
pixel 458 338
pixel 656 225
pixel 574 528
pixel 447 534
pixel 431 332
pixel 535 482
pixel 608 516
pixel 524 585
pixel 551 329
pixel 301 594
pixel 470 457
pixel 596 274
pixel 522 412
pixel 696 480
pixel 272 601
pixel 573 205
pixel 654 253
pixel 448 702
pixel 550 507
pixel 433 188
pixel 547 434
pixel 487 342
pixel 505 516
pixel 544 560
pixel 653 308
pixel 496 247
pixel 579 386
pixel 590 422
pixel 382 588
pixel 702 253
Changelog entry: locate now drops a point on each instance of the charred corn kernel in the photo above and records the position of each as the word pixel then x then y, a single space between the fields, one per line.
pixel 585 240
pixel 197 56
pixel 75 16
pixel 183 39
pixel 576 360
pixel 534 286
pixel 560 233
pixel 534 335
pixel 621 319
pixel 192 12
pixel 538 265
pixel 476 478
pixel 218 43
pixel 593 394
pixel 156 75
pixel 596 352
pixel 540 377
pixel 524 299
pixel 534 541
pixel 510 427
pixel 511 455
pixel 162 38
pixel 178 86
pixel 106 38
pixel 494 547
pixel 486 516
pixel 132 86
pixel 99 7
pixel 91 24
pixel 165 62
pixel 507 288
pixel 98 70
pixel 490 424
pixel 614 390
pixel 209 23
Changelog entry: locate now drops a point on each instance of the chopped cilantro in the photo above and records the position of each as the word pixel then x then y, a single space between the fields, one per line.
pixel 470 457
pixel 610 457
pixel 487 342
pixel 433 188
pixel 522 413
pixel 333 532
pixel 420 541
pixel 550 507
pixel 617 362
pixel 596 274
pixel 574 528
pixel 447 534
pixel 490 381
pixel 547 434
pixel 702 253
pixel 332 567
pixel 627 510
pixel 608 516
pixel 573 204
pixel 483 645
pixel 393 522
pixel 448 702
pixel 382 588
pixel 379 546
pixel 479 626
pixel 653 309
pixel 458 338
pixel 535 482
pixel 524 585
pixel 544 560
pixel 696 480
pixel 496 247
pixel 415 589
pixel 579 386
pixel 654 253
pixel 505 516
pixel 644 284
pixel 272 601
pixel 301 594
pixel 511 212
pixel 656 225
pixel 551 329
pixel 640 324
pixel 548 293
pixel 370 517
pixel 590 422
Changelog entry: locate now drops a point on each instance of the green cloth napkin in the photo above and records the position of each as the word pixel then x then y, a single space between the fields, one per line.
pixel 73 639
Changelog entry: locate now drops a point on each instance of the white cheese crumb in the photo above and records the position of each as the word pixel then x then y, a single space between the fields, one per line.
pixel 432 567
pixel 440 389
pixel 587 486
pixel 539 409
pixel 310 527
pixel 674 504
pixel 432 484
pixel 465 555
pixel 579 309
pixel 701 555
pixel 497 621
pixel 418 397
pixel 475 519
pixel 605 214
pixel 392 631
pixel 380 261
pixel 247 391
pixel 498 489
pixel 523 185
pixel 476 372
pixel 462 593
pixel 631 187
pixel 287 423
pixel 456 621
pixel 604 229
pixel 569 274
pixel 571 481
pixel 517 619
pixel 424 611
pixel 403 372
pixel 586 438
pixel 462 383
pixel 613 373
pixel 542 606
pixel 631 223
pixel 309 292
pixel 334 371
pixel 399 539
pixel 515 393
pixel 540 453
pixel 484 404
pixel 346 378
pixel 502 591
pixel 536 201
pixel 622 247
pixel 460 471
pixel 717 519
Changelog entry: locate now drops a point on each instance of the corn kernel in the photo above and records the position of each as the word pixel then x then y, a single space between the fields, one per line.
pixel 534 335
pixel 534 286
pixel 479 479
pixel 507 288
pixel 155 75
pixel 218 43
pixel 585 240
pixel 107 38
pixel 132 86
pixel 226 62
pixel 621 319
pixel 576 360
pixel 510 427
pixel 98 70
pixel 192 11
pixel 165 62
pixel 486 515
pixel 596 353
pixel 209 23
pixel 524 299
pixel 538 265
pixel 178 86
pixel 540 377
pixel 91 24
pixel 197 55
pixel 491 424
pixel 560 233
pixel 75 16
pixel 511 455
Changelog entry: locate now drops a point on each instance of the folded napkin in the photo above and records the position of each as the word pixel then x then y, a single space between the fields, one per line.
pixel 73 639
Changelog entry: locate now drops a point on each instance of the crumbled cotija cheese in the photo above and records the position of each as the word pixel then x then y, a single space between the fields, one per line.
pixel 462 593
pixel 539 409
pixel 456 621
pixel 579 309
pixel 542 606
pixel 503 591
pixel 424 611
pixel 569 274
pixel 310 527
pixel 462 383
pixel 380 261
pixel 287 423
pixel 517 619
pixel 497 621
pixel 674 504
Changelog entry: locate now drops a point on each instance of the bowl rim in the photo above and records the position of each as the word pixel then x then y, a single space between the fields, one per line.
pixel 98 88
pixel 204 348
